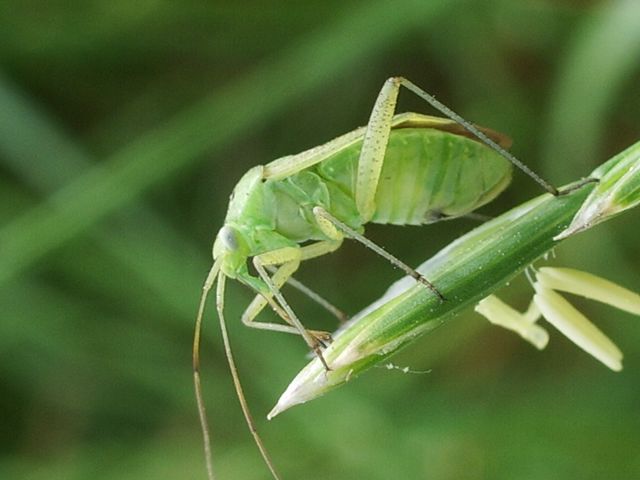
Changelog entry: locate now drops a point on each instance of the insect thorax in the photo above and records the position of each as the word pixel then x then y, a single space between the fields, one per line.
pixel 273 214
pixel 427 174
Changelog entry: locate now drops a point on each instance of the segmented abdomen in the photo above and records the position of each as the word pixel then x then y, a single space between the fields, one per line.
pixel 427 174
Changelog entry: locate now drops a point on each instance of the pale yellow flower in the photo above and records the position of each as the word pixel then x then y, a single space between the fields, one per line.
pixel 562 315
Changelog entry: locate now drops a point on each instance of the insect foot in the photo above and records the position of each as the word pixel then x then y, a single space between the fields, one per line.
pixel 547 302
pixel 323 338
pixel 317 349
pixel 576 186
pixel 420 278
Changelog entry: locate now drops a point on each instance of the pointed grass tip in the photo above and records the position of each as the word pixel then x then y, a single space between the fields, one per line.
pixel 618 189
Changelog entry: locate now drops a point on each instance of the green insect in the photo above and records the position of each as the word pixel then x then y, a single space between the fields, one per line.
pixel 405 169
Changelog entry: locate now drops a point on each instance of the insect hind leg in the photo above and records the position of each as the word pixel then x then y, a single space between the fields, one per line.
pixel 475 131
pixel 387 99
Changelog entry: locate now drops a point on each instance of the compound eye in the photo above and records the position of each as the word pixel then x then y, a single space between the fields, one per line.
pixel 228 237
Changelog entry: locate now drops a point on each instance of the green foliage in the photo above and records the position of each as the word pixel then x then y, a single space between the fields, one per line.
pixel 125 125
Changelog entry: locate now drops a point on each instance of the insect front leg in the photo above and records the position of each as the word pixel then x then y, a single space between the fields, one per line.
pixel 289 258
pixel 281 276
pixel 341 316
pixel 261 300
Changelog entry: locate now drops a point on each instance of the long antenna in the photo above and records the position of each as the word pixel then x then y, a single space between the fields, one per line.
pixel 236 379
pixel 204 424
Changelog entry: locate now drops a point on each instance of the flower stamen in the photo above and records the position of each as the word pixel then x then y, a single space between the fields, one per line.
pixel 501 314
pixel 576 327
pixel 562 315
pixel 589 286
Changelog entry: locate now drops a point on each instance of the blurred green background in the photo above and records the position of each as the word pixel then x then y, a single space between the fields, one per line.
pixel 125 125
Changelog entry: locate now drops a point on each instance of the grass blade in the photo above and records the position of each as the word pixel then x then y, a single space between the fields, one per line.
pixel 465 272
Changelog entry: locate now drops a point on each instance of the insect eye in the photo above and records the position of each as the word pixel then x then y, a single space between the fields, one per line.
pixel 228 237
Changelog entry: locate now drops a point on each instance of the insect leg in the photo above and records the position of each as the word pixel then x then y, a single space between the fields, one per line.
pixel 314 296
pixel 323 216
pixel 281 275
pixel 475 131
pixel 204 424
pixel 374 147
pixel 289 258
pixel 307 252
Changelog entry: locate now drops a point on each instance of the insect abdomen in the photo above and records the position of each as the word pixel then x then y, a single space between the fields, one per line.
pixel 428 174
